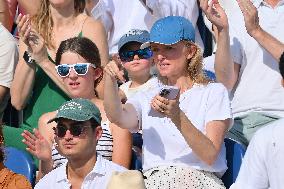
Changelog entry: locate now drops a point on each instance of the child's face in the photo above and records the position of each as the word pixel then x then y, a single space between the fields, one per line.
pixel 136 64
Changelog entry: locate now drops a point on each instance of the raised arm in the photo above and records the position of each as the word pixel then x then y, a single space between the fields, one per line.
pixel 226 70
pixel 125 116
pixel 267 41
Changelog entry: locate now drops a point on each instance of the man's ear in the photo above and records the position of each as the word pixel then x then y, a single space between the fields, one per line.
pixel 98 132
pixel 282 82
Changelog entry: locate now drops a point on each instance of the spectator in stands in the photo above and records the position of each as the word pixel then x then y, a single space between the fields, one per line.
pixel 9 179
pixel 263 166
pixel 249 71
pixel 77 131
pixel 8 61
pixel 36 85
pixel 79 65
pixel 137 62
pixel 183 133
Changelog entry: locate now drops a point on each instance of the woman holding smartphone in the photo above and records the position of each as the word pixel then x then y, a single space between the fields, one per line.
pixel 185 147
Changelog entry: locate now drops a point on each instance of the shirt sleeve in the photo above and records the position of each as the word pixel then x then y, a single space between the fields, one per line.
pixel 8 59
pixel 135 102
pixel 253 173
pixel 218 104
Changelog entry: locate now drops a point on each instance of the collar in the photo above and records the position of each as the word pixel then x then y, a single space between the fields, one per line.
pixel 258 3
pixel 99 169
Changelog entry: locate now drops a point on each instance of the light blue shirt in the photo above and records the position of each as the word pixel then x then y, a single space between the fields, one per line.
pixel 98 178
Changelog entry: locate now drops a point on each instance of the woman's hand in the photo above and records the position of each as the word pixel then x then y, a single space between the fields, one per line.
pixel 37 145
pixel 169 108
pixel 33 40
pixel 215 14
pixel 115 71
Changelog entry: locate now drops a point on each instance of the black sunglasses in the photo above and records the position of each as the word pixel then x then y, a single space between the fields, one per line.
pixel 75 130
pixel 127 56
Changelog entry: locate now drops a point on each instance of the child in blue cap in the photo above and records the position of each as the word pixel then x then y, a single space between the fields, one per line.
pixel 183 141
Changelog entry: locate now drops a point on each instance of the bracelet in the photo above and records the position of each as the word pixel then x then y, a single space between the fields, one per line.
pixel 28 58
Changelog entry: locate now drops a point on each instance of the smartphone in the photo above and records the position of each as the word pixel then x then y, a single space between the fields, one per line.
pixel 169 92
pixel 166 92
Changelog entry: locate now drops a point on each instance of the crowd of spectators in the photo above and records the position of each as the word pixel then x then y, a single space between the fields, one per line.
pixel 86 76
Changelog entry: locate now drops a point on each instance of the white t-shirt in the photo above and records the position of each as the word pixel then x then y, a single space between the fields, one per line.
pixel 129 92
pixel 185 8
pixel 119 16
pixel 258 88
pixel 98 178
pixel 163 144
pixel 263 164
pixel 8 61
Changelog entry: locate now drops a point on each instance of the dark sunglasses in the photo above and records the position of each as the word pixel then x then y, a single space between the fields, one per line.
pixel 75 130
pixel 128 56
pixel 63 70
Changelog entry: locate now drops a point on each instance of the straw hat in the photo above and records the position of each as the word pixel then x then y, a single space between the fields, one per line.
pixel 126 180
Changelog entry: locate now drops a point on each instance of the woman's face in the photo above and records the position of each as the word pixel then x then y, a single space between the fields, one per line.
pixel 79 86
pixel 171 60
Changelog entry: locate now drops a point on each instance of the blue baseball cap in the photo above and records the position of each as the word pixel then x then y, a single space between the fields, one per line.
pixel 170 30
pixel 134 35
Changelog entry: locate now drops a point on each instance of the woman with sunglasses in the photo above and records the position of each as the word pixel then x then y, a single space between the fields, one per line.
pixel 183 133
pixel 36 87
pixel 79 66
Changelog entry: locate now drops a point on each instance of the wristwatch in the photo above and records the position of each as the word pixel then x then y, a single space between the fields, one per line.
pixel 27 57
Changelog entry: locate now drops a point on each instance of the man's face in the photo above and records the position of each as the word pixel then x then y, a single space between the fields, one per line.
pixel 75 138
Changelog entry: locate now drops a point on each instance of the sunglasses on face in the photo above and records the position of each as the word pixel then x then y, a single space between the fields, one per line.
pixel 63 70
pixel 128 56
pixel 75 130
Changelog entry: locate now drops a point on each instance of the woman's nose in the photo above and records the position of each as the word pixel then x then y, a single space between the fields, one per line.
pixel 72 73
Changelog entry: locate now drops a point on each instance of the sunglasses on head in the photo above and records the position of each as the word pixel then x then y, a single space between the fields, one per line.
pixel 75 130
pixel 127 56
pixel 63 70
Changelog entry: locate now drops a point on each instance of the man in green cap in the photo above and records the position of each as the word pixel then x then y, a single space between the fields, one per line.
pixel 77 132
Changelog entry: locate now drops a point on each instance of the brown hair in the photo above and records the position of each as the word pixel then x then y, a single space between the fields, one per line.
pixel 43 22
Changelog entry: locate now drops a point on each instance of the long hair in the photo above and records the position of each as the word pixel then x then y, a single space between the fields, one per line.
pixel 83 47
pixel 43 22
pixel 195 66
pixel 2 156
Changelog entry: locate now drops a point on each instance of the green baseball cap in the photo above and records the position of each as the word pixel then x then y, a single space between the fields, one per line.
pixel 78 109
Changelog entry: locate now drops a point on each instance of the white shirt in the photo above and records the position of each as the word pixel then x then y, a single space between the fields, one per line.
pixel 98 178
pixel 129 92
pixel 263 164
pixel 120 16
pixel 258 88
pixel 163 144
pixel 185 8
pixel 8 61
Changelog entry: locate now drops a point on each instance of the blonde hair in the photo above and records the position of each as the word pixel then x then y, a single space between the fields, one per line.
pixel 43 22
pixel 194 67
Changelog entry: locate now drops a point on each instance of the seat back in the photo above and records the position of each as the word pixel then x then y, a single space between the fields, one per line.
pixel 235 152
pixel 20 162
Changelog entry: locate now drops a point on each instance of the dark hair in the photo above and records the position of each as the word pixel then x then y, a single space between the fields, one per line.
pixel 94 123
pixel 2 156
pixel 281 65
pixel 85 48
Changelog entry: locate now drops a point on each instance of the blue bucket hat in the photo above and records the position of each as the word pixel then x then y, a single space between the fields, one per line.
pixel 170 30
pixel 78 109
pixel 134 35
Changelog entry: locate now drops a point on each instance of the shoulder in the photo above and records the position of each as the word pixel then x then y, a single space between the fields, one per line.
pixel 111 166
pixel 52 177
pixel 20 182
pixel 213 88
pixel 270 132
pixel 92 25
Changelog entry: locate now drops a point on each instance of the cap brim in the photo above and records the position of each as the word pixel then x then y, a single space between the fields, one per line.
pixel 145 45
pixel 52 120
